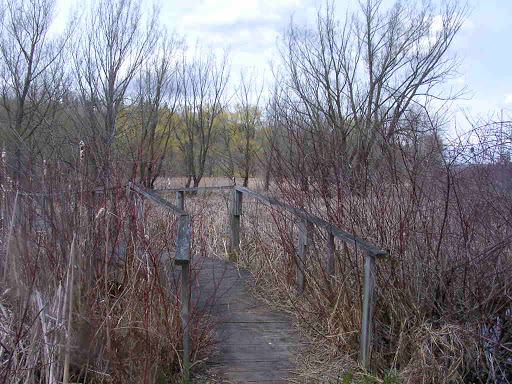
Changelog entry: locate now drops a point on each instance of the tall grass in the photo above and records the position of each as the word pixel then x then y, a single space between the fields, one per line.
pixel 89 292
pixel 443 304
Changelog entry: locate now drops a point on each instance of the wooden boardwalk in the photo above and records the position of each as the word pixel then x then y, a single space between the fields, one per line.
pixel 256 345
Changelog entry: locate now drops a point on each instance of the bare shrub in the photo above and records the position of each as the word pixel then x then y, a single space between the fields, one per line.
pixel 124 306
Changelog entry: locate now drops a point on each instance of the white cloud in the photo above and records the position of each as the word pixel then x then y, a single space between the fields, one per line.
pixel 508 98
pixel 437 24
pixel 221 12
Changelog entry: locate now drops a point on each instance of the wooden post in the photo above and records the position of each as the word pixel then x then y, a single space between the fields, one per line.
pixel 366 329
pixel 180 200
pixel 236 211
pixel 44 191
pixel 130 195
pixel 302 253
pixel 140 210
pixel 185 293
pixel 331 252
pixel 183 259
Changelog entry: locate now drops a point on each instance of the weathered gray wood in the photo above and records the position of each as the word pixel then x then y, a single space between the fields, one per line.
pixel 302 254
pixel 331 252
pixel 256 344
pixel 366 331
pixel 236 212
pixel 180 199
pixel 157 199
pixel 139 206
pixel 185 295
pixel 183 258
pixel 165 190
pixel 183 240
pixel 340 233
pixel 183 249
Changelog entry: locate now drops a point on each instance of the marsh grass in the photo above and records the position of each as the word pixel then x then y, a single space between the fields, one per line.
pixel 442 310
pixel 89 292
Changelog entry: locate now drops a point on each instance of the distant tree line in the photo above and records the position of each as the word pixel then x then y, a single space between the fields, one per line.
pixel 132 92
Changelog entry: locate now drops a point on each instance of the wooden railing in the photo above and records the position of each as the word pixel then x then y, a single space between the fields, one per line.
pixel 307 220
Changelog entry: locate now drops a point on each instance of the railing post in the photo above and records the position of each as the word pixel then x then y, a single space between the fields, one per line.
pixel 366 329
pixel 302 253
pixel 183 259
pixel 139 205
pixel 331 252
pixel 185 293
pixel 236 211
pixel 132 223
pixel 180 200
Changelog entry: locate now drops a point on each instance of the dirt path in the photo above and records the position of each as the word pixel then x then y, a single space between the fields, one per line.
pixel 256 345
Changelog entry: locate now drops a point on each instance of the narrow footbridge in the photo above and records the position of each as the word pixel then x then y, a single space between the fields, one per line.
pixel 256 344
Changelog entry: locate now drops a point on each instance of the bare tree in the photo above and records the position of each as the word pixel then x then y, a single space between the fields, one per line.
pixel 249 97
pixel 203 83
pixel 353 82
pixel 32 74
pixel 157 98
pixel 237 152
pixel 117 40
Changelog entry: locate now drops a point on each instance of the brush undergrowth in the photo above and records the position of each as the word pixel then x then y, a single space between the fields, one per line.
pixel 89 292
pixel 442 300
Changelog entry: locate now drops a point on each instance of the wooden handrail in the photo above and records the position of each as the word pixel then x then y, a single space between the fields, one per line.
pixel 183 246
pixel 192 189
pixel 153 196
pixel 338 232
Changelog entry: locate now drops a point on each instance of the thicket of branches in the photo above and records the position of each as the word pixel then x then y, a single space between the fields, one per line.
pixel 352 132
pixel 356 139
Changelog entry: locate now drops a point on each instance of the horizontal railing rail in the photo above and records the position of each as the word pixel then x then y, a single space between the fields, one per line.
pixel 338 232
pixel 192 189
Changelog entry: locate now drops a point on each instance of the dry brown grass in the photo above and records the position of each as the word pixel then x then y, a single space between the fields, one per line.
pixel 121 287
pixel 442 297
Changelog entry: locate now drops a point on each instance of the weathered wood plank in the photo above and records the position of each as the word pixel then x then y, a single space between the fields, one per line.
pixel 183 240
pixel 236 212
pixel 302 254
pixel 180 200
pixel 157 199
pixel 164 190
pixel 252 338
pixel 331 253
pixel 185 293
pixel 366 331
pixel 340 233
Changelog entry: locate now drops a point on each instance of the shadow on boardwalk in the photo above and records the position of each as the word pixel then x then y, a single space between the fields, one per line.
pixel 256 345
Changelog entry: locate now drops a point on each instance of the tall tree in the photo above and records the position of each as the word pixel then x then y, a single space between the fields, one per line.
pixel 249 97
pixel 203 83
pixel 351 83
pixel 157 98
pixel 32 73
pixel 117 40
pixel 237 153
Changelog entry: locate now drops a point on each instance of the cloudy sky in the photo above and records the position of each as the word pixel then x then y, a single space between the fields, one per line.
pixel 249 28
